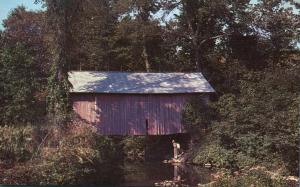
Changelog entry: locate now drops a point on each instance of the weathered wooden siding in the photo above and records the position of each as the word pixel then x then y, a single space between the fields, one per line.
pixel 124 114
pixel 84 106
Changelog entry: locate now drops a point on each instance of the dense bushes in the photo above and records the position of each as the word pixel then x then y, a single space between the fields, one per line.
pixel 19 87
pixel 198 115
pixel 77 155
pixel 257 126
pixel 17 143
pixel 134 147
pixel 80 156
pixel 216 155
pixel 258 178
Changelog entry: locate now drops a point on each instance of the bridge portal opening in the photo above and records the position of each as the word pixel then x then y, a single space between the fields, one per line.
pixel 147 126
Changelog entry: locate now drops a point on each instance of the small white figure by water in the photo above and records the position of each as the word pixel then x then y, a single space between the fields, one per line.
pixel 176 147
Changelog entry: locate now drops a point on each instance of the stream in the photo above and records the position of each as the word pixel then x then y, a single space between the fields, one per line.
pixel 151 173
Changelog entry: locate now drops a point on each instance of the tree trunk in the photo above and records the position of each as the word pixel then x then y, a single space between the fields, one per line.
pixel 58 84
pixel 145 56
pixel 144 20
pixel 197 54
pixel 194 30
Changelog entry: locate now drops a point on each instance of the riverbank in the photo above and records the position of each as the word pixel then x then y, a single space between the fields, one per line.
pixel 54 155
pixel 78 155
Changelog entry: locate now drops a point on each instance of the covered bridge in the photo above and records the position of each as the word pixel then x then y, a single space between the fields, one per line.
pixel 119 103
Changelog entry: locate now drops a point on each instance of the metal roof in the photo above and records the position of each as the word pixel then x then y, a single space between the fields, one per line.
pixel 138 83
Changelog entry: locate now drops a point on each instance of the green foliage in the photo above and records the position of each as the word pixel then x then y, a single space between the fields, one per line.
pixel 60 13
pixel 16 30
pixel 134 147
pixel 257 178
pixel 248 54
pixel 92 156
pixel 17 144
pixel 58 97
pixel 18 85
pixel 262 121
pixel 216 155
pixel 78 156
pixel 197 115
pixel 257 126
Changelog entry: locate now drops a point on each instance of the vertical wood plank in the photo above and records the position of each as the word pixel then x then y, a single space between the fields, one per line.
pixel 123 114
